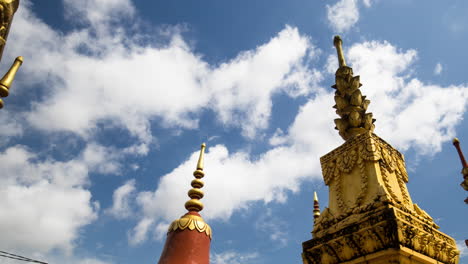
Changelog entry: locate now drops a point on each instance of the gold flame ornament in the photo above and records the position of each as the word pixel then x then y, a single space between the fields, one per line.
pixel 350 105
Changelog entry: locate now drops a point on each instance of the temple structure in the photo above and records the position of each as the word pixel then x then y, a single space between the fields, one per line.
pixel 370 216
pixel 189 237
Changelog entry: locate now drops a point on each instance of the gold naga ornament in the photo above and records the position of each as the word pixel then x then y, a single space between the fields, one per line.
pixel 7 11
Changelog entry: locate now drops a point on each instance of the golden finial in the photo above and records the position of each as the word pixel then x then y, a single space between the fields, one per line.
pixel 316 207
pixel 337 42
pixel 195 193
pixel 7 80
pixel 350 105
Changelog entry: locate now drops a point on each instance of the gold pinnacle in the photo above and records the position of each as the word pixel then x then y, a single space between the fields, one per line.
pixel 337 42
pixel 195 194
pixel 316 207
pixel 7 80
pixel 200 159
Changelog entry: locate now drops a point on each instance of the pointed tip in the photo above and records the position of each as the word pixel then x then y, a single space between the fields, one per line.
pixel 20 59
pixel 337 39
pixel 337 42
pixel 200 159
pixel 315 196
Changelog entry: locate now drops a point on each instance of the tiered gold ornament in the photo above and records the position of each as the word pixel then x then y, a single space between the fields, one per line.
pixel 370 217
pixel 193 221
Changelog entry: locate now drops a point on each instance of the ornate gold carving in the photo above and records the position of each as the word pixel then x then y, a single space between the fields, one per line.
pixel 366 155
pixel 350 105
pixel 382 228
pixel 7 10
pixel 191 222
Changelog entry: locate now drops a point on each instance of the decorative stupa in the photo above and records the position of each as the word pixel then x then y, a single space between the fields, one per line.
pixel 189 237
pixel 370 217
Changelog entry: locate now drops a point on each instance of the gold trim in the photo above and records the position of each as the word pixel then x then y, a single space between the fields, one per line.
pixel 191 222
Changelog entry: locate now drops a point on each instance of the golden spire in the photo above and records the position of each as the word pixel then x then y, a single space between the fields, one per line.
pixel 7 80
pixel 316 207
pixel 195 193
pixel 350 105
pixel 339 50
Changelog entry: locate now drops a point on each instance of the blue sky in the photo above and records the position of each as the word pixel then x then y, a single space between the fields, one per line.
pixel 103 124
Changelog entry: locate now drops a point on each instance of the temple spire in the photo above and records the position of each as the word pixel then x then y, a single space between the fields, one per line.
pixel 350 105
pixel 189 237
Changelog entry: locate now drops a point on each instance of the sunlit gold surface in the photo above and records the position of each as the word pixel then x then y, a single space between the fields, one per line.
pixel 7 11
pixel 370 210
pixel 337 42
pixel 7 80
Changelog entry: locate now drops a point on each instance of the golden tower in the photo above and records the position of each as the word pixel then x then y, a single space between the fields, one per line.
pixel 370 216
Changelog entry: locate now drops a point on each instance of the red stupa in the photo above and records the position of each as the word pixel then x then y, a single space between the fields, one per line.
pixel 188 238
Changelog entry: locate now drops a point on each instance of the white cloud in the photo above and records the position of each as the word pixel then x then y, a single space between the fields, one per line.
pixel 110 77
pixel 274 227
pixel 234 257
pixel 343 15
pixel 438 69
pixel 409 112
pixel 266 179
pixel 37 197
pixel 121 201
pixel 140 231
pixel 367 3
pixel 11 127
pixel 461 245
pixel 98 12
pixel 46 202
